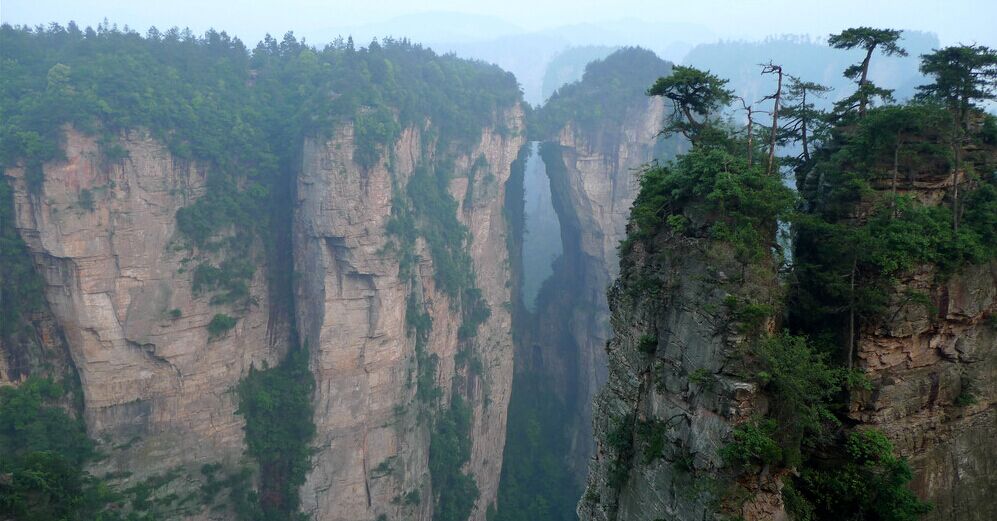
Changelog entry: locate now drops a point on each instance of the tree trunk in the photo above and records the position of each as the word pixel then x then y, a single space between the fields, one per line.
pixel 775 117
pixel 803 125
pixel 863 99
pixel 751 130
pixel 851 313
pixel 896 172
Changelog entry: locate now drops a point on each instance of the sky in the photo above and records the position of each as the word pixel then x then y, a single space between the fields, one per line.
pixel 954 21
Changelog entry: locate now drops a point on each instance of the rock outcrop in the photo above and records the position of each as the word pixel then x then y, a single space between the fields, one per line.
pixel 157 385
pixel 674 390
pixel 593 184
pixel 373 437
pixel 933 368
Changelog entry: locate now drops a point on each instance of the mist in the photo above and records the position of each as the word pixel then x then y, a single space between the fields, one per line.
pixel 523 36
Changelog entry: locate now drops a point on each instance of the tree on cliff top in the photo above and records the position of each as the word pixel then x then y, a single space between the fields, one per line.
pixel 693 92
pixel 963 74
pixel 869 39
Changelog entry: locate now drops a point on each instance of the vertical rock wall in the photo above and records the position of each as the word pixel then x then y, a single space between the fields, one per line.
pixel 674 390
pixel 373 438
pixel 933 368
pixel 158 389
pixel 593 175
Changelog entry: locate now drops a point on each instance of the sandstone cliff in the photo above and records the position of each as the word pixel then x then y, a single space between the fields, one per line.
pixel 933 364
pixel 157 385
pixel 373 435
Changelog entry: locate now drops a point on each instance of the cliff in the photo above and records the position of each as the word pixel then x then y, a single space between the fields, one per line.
pixel 156 383
pixel 374 439
pixel 932 356
pixel 593 183
pixel 686 310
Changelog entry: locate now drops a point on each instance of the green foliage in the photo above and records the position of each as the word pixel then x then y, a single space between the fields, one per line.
pixel 620 439
pixel 86 199
pixel 43 452
pixel 276 403
pixel 696 96
pixel 449 450
pixel 569 65
pixel 647 344
pixel 897 233
pixel 21 288
pixel 753 444
pixel 963 74
pixel 421 324
pixel 720 195
pixel 967 393
pixel 229 280
pixel 804 390
pixel 652 435
pixel 869 40
pixel 868 483
pixel 535 482
pixel 220 324
pixel 603 98
pixel 239 115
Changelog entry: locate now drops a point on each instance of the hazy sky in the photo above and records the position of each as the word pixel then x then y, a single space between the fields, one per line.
pixel 954 21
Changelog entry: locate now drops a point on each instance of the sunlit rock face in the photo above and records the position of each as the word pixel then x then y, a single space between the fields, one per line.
pixel 372 446
pixel 157 386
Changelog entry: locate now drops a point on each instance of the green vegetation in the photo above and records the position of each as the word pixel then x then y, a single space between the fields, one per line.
pixel 719 195
pixel 240 114
pixel 647 344
pixel 43 452
pixel 568 66
pixel 21 288
pixel 869 40
pixel 868 483
pixel 695 95
pixel 220 324
pixel 276 403
pixel 753 443
pixel 859 228
pixel 449 450
pixel 536 483
pixel 620 438
pixel 605 97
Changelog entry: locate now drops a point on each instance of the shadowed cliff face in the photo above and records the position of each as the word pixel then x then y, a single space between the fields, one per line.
pixel 593 183
pixel 373 439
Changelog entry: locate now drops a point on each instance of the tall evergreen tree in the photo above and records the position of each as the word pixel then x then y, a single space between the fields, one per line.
pixel 868 39
pixel 963 74
pixel 695 94
pixel 803 122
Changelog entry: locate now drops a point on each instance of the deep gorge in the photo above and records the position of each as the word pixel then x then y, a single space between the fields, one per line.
pixel 293 283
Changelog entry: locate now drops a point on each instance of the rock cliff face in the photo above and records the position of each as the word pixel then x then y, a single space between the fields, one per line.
pixel 933 369
pixel 373 438
pixel 157 385
pixel 593 183
pixel 674 390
